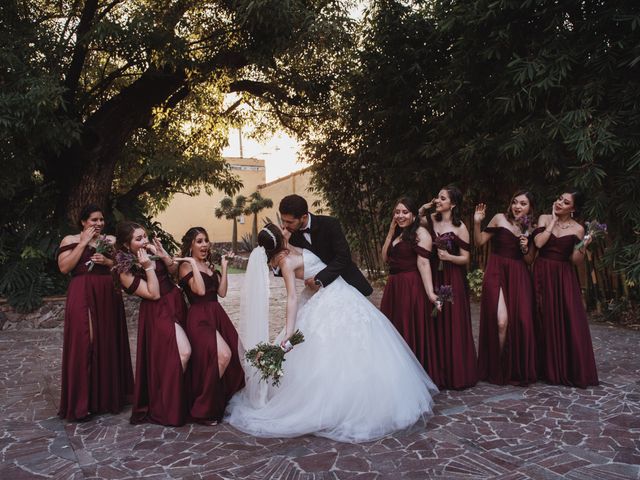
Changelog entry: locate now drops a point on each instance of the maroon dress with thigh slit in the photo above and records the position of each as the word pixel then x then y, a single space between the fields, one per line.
pixel 208 393
pixel 159 395
pixel 564 348
pixel 452 362
pixel 507 271
pixel 96 376
pixel 405 300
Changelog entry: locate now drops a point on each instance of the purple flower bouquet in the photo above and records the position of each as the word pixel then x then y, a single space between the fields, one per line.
pixel 445 294
pixel 594 230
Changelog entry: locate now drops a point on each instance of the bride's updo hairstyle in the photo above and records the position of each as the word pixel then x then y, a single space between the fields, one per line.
pixel 271 239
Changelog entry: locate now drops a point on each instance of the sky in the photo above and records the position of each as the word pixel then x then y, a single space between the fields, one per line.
pixel 279 153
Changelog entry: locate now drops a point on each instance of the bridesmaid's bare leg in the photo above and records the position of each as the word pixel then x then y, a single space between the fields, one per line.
pixel 503 320
pixel 184 347
pixel 224 354
pixel 90 327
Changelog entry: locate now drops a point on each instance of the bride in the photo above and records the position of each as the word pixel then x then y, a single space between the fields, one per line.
pixel 353 379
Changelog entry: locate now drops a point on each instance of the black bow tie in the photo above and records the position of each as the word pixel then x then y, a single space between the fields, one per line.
pixel 305 230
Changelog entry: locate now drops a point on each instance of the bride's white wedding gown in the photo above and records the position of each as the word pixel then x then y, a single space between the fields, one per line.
pixel 353 379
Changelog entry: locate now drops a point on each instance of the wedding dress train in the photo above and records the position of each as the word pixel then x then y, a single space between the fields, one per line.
pixel 353 379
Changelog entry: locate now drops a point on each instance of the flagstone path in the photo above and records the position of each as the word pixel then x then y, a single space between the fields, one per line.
pixel 541 432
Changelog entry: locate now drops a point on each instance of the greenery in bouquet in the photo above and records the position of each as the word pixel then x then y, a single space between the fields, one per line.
pixel 268 358
pixel 104 247
pixel 593 230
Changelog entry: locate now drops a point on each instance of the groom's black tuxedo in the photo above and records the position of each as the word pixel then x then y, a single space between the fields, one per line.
pixel 330 245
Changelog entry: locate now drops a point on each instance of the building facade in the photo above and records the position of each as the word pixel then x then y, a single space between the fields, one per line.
pixel 185 211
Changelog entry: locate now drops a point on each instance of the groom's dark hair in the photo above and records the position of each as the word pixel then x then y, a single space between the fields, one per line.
pixel 293 205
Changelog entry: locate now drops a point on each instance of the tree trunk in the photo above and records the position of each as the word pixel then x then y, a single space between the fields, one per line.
pixel 234 236
pixel 85 171
pixel 254 231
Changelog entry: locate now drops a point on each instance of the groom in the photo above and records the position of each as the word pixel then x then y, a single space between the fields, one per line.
pixel 323 236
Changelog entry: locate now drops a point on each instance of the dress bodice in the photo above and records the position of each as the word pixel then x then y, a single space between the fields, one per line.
pixel 403 256
pixel 504 243
pixel 164 280
pixel 211 284
pixel 82 267
pixel 312 263
pixel 557 248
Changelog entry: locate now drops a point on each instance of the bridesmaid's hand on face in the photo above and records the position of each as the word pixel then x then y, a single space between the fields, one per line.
pixel 143 258
pixel 160 251
pixel 554 217
pixel 87 234
pixel 392 227
pixel 480 213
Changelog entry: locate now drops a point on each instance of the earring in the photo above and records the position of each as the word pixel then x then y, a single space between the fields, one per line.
pixel 571 214
pixel 190 254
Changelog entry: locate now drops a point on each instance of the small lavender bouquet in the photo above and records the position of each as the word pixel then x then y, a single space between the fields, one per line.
pixel 104 247
pixel 524 223
pixel 444 242
pixel 125 262
pixel 445 294
pixel 268 358
pixel 594 230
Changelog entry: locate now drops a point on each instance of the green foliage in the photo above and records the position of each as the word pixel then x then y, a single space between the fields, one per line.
pixel 28 269
pixel 491 96
pixel 474 278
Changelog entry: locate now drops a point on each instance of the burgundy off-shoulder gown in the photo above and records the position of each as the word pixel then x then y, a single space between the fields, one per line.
pixel 507 271
pixel 405 300
pixel 452 362
pixel 564 348
pixel 159 395
pixel 96 376
pixel 208 393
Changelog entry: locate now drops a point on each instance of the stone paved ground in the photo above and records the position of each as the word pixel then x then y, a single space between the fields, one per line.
pixel 485 432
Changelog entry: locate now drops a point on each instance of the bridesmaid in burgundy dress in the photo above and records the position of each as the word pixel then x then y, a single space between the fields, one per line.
pixel 96 362
pixel 215 371
pixel 452 360
pixel 565 352
pixel 506 351
pixel 163 348
pixel 408 296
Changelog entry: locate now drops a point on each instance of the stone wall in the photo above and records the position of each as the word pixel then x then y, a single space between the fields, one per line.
pixel 51 314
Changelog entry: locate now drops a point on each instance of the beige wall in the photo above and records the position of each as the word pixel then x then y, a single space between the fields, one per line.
pixel 297 182
pixel 185 211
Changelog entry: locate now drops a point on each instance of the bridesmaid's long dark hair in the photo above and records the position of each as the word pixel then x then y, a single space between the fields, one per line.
pixel 455 195
pixel 187 241
pixel 124 234
pixel 409 233
pixel 86 212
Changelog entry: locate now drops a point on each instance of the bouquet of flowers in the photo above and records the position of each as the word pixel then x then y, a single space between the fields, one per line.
pixel 104 247
pixel 594 230
pixel 524 223
pixel 444 242
pixel 445 294
pixel 268 358
pixel 126 262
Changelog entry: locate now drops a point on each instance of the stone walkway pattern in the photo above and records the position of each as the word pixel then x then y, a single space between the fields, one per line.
pixel 541 432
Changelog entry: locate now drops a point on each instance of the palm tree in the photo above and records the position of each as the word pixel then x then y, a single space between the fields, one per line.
pixel 231 211
pixel 257 203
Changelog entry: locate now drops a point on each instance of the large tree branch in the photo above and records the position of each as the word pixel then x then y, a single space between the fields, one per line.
pixel 80 51
pixel 263 89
